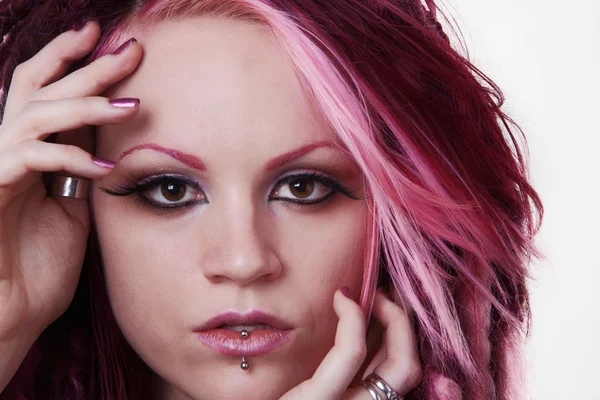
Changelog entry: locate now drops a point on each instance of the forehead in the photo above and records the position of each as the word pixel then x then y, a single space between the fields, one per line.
pixel 219 81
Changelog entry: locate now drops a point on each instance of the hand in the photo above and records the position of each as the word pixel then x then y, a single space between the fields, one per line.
pixel 43 239
pixel 397 360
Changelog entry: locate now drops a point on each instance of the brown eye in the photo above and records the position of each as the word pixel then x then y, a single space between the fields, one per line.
pixel 173 190
pixel 164 191
pixel 302 188
pixel 309 189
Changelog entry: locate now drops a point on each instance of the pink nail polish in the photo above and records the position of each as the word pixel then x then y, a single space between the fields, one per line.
pixel 346 292
pixel 124 102
pixel 124 46
pixel 103 163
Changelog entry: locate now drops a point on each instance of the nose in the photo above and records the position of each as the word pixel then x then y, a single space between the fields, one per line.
pixel 242 248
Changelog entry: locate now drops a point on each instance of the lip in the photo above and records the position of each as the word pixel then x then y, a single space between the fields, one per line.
pixel 259 342
pixel 250 317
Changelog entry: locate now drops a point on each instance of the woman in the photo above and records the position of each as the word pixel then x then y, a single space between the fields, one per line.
pixel 260 169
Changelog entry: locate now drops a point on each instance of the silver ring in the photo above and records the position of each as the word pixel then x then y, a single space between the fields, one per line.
pixel 70 186
pixel 371 389
pixel 385 388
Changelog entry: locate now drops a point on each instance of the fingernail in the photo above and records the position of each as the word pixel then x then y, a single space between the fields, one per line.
pixel 103 163
pixel 125 102
pixel 346 292
pixel 124 46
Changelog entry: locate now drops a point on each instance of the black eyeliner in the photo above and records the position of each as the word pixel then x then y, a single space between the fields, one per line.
pixel 136 186
pixel 326 180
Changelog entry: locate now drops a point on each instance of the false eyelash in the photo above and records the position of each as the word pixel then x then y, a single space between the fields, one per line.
pixel 331 183
pixel 136 186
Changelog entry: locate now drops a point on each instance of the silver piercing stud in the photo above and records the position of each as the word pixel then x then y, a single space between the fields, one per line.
pixel 244 365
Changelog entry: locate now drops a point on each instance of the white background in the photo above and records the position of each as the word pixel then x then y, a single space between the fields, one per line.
pixel 545 56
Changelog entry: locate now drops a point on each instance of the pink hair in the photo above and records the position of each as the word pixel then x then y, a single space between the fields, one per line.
pixel 453 214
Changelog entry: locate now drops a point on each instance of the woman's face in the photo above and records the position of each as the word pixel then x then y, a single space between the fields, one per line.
pixel 223 113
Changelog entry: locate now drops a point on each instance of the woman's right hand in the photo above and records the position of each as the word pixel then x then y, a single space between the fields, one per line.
pixel 43 239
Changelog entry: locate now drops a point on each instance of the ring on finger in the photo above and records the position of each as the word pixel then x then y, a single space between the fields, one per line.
pixel 374 380
pixel 70 186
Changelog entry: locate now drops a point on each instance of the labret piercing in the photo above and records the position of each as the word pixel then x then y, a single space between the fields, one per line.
pixel 244 365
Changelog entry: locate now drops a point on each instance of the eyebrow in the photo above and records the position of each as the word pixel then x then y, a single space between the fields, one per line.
pixel 196 163
pixel 188 159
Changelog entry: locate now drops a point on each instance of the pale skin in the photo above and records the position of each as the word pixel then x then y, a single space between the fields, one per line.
pixel 221 91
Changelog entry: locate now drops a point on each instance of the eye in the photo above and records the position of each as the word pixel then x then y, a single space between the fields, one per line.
pixel 306 188
pixel 163 191
pixel 169 192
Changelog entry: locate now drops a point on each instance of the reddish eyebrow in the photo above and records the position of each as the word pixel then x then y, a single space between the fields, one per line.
pixel 188 159
pixel 196 163
pixel 292 155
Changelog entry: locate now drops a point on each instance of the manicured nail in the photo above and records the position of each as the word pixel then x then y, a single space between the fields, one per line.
pixel 125 102
pixel 346 292
pixel 124 46
pixel 103 163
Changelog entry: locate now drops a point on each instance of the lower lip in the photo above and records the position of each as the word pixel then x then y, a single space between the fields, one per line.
pixel 231 343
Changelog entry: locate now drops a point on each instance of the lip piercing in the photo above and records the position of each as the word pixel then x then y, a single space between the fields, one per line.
pixel 244 365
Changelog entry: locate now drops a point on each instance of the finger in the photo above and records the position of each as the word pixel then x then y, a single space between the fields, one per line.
pixel 397 362
pixel 375 333
pixel 41 118
pixel 49 64
pixel 84 139
pixel 335 373
pixel 33 155
pixel 94 78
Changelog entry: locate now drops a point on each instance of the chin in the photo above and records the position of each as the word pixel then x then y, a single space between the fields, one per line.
pixel 261 381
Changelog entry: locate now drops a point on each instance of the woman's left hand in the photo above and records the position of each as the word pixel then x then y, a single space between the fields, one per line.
pixel 397 360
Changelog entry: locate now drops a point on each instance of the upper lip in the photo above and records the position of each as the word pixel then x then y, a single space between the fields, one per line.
pixel 250 317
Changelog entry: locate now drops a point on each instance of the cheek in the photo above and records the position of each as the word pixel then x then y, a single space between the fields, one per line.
pixel 138 269
pixel 326 251
pixel 322 253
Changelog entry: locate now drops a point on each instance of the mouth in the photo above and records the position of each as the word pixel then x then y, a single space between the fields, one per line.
pixel 265 333
pixel 247 328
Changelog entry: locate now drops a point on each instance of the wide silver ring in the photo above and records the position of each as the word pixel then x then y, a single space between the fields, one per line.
pixel 383 386
pixel 70 186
